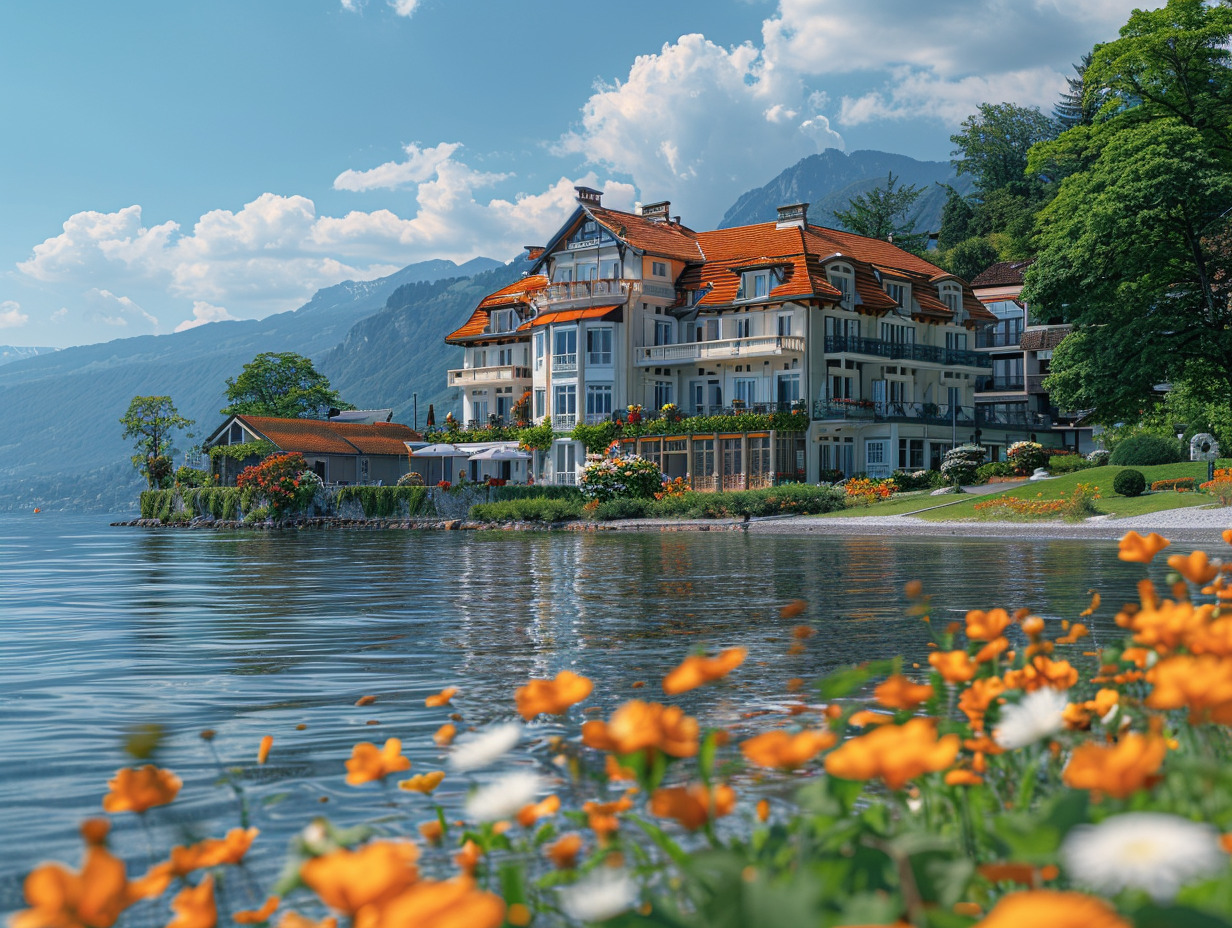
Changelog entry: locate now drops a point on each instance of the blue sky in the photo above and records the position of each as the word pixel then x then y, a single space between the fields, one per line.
pixel 171 164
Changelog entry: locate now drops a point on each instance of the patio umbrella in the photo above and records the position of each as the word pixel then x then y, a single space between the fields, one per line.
pixel 501 454
pixel 431 417
pixel 440 450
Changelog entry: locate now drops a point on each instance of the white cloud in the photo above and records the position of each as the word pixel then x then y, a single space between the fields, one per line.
pixel 420 165
pixel 11 315
pixel 404 7
pixel 61 313
pixel 920 93
pixel 352 6
pixel 204 312
pixel 114 309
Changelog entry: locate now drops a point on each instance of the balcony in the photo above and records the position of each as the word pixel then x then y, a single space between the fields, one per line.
pixel 932 413
pixel 998 339
pixel 582 293
pixel 565 479
pixel 1012 418
pixel 564 364
pixel 902 351
pixel 1035 383
pixel 724 349
pixel 564 422
pixel 1011 384
pixel 475 376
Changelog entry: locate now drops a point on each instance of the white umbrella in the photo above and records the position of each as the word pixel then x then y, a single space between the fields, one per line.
pixel 501 454
pixel 440 450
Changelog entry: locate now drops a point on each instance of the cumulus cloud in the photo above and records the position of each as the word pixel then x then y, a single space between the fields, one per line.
pixel 61 313
pixel 404 7
pixel 699 124
pixel 204 312
pixel 420 165
pixel 11 315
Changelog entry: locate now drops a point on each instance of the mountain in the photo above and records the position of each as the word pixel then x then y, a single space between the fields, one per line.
pixel 10 353
pixel 828 182
pixel 61 444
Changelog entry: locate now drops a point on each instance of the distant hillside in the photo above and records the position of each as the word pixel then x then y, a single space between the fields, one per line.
pixel 401 350
pixel 61 443
pixel 830 180
pixel 10 353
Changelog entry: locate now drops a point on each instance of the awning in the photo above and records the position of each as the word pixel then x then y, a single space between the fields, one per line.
pixel 573 315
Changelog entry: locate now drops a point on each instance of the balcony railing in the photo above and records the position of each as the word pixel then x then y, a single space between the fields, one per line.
pixel 934 413
pixel 565 478
pixel 595 418
pixel 724 349
pixel 505 373
pixel 998 339
pixel 587 292
pixel 1014 384
pixel 905 351
pixel 564 422
pixel 1035 383
pixel 564 363
pixel 735 409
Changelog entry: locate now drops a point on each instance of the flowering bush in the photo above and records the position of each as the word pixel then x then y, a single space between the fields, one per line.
pixel 1179 484
pixel 634 413
pixel 1221 486
pixel 671 412
pixel 677 487
pixel 1078 505
pixel 625 477
pixel 1099 457
pixel 279 480
pixel 1026 456
pixel 905 481
pixel 960 464
pixel 862 490
pixel 443 484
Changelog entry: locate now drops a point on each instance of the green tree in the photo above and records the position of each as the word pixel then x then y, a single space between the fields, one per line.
pixel 283 385
pixel 885 213
pixel 1132 249
pixel 956 217
pixel 994 143
pixel 151 421
pixel 1076 107
pixel 969 257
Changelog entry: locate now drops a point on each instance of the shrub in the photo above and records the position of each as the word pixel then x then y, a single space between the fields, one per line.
pixel 1099 457
pixel 1179 484
pixel 1069 463
pixel 625 477
pixel 277 481
pixel 533 509
pixel 961 463
pixel 1146 451
pixel 1220 487
pixel 619 509
pixel 189 477
pixel 985 472
pixel 833 475
pixel 1026 456
pixel 864 491
pixel 1129 482
pixel 906 481
pixel 384 502
pixel 535 491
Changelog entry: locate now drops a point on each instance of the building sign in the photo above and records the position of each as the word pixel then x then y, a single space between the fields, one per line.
pixel 588 243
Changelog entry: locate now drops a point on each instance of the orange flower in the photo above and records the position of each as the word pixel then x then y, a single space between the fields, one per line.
pixel 1010 872
pixel 640 726
pixel 442 698
pixel 896 753
pixel 763 809
pixel 445 734
pixel 423 782
pixel 1196 568
pixel 900 693
pixel 256 916
pixel 263 751
pixel 1227 535
pixel 295 920
pixel 866 717
pixel 1042 671
pixel 992 650
pixel 954 666
pixel 797 607
pixel 693 806
pixel 1076 632
pixel 985 626
pixel 552 696
pixel 368 762
pixel 1119 770
pixel 602 816
pixel 95 830
pixel 1167 625
pixel 135 789
pixel 1054 909
pixel 614 771
pixel 213 852
pixel 60 898
pixel 468 857
pixel 695 670
pixel 349 880
pixel 1090 610
pixel 784 751
pixel 563 853
pixel 976 699
pixel 1202 684
pixel 431 904
pixel 432 830
pixel 194 906
pixel 1133 547
pixel 963 778
pixel 531 813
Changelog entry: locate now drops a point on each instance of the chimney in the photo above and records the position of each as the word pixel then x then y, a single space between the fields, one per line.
pixel 589 196
pixel 533 252
pixel 657 211
pixel 795 215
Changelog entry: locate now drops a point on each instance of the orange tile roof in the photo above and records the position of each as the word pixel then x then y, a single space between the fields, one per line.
pixel 572 315
pixel 666 239
pixel 317 436
pixel 517 293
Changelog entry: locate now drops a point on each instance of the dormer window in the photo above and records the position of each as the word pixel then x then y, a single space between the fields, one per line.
pixel 951 296
pixel 842 278
pixel 658 268
pixel 756 285
pixel 897 292
pixel 761 284
pixel 501 321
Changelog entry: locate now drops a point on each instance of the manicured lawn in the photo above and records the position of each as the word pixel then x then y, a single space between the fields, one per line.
pixel 895 506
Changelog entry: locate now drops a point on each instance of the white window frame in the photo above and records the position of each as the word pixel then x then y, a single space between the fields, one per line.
pixel 658 268
pixel 843 279
pixel 541 339
pixel 601 357
pixel 782 324
pixel 744 327
pixel 598 401
pixel 564 399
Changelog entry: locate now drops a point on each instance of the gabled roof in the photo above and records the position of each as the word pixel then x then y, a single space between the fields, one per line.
pixel 514 295
pixel 729 250
pixel 612 312
pixel 1001 274
pixel 316 436
pixel 663 238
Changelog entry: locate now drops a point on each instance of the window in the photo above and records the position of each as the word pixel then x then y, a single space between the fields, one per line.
pixel 501 321
pixel 564 349
pixel 784 323
pixel 897 334
pixel 874 453
pixel 760 282
pixel 840 388
pixel 712 330
pixel 664 393
pixel 504 357
pixel 479 357
pixel 611 269
pixel 540 403
pixel 598 402
pixel 788 388
pixel 841 278
pixel 540 345
pixel 956 341
pixel 663 332
pixel 658 269
pixel 841 329
pixel 566 461
pixel 599 346
pixel 588 272
pixel 951 296
pixel 911 454
pixel 897 292
pixel 504 403
pixel 564 274
pixel 746 390
pixel 744 327
pixel 759 458
pixel 703 457
pixel 564 400
pixel 479 406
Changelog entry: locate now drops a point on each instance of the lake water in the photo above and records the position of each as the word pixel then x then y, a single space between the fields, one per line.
pixel 250 633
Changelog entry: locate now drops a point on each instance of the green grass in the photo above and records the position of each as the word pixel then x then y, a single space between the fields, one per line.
pixel 895 506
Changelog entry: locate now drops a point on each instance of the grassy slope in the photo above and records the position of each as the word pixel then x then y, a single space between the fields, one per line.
pixel 1101 477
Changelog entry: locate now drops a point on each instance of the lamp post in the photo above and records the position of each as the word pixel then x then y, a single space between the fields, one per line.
pixel 415 406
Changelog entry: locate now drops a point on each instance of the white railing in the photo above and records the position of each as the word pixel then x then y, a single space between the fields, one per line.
pixel 564 363
pixel 588 291
pixel 566 479
pixel 564 422
pixel 720 350
pixel 595 418
pixel 507 373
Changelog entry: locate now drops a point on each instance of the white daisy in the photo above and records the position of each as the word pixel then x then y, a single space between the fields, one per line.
pixel 1148 850
pixel 600 896
pixel 480 749
pixel 1037 716
pixel 502 798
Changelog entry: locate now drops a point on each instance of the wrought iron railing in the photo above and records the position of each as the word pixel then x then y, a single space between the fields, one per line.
pixel 905 351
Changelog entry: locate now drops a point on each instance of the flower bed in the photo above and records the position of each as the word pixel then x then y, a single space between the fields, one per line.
pixel 1020 777
pixel 1079 504
pixel 1179 484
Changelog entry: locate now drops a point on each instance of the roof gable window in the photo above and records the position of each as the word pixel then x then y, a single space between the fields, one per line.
pixel 951 296
pixel 842 279
pixel 757 284
pixel 503 320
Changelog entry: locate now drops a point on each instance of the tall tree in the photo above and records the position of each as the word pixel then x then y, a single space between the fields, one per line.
pixel 283 385
pixel 1076 107
pixel 152 422
pixel 1130 249
pixel 885 213
pixel 994 143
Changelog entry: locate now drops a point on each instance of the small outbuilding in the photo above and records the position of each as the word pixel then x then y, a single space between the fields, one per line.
pixel 342 453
